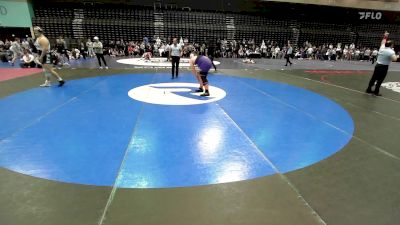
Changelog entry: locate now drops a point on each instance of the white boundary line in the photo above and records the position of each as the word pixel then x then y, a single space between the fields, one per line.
pixel 269 162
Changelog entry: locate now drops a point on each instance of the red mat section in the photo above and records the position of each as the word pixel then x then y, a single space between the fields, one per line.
pixel 339 72
pixel 11 73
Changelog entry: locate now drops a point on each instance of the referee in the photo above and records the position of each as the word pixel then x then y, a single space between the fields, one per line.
pixel 175 54
pixel 386 55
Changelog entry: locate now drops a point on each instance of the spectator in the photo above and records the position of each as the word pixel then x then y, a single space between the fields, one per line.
pixel 83 49
pixel 289 54
pixel 98 50
pixel 374 55
pixel 25 44
pixel 89 46
pixel 62 49
pixel 28 60
pixel 3 54
pixel 16 50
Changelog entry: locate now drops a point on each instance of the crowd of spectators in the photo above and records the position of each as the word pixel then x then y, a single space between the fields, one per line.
pixel 10 50
pixel 245 49
pixel 159 48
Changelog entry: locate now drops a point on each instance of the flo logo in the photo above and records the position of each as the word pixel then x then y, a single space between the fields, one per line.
pixel 370 15
pixel 175 94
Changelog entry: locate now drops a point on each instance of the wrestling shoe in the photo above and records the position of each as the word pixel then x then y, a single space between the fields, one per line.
pixel 61 83
pixel 46 84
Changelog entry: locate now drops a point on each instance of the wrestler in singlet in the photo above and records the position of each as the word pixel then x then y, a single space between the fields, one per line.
pixel 42 45
pixel 47 57
pixel 204 65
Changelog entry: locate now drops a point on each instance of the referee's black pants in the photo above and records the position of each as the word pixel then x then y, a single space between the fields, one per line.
pixel 379 75
pixel 175 65
pixel 101 56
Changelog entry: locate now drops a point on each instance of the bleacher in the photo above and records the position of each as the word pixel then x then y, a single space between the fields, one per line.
pixel 325 33
pixel 55 26
pixel 261 28
pixel 132 24
pixel 371 34
pixel 108 24
pixel 197 26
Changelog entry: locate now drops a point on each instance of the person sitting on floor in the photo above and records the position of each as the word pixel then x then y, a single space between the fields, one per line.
pixel 28 60
pixel 147 56
pixel 249 60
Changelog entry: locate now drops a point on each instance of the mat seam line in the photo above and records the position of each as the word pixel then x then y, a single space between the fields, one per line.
pixel 114 189
pixel 337 86
pixel 383 151
pixel 39 118
pixel 269 162
pixel 373 111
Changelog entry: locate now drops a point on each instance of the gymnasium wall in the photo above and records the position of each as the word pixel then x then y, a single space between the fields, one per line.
pixel 270 21
pixel 240 5
pixel 389 5
pixel 15 13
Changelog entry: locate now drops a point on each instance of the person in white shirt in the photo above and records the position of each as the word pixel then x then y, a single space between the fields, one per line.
pixel 175 54
pixel 76 54
pixel 166 50
pixel 16 50
pixel 289 54
pixel 161 49
pixel 339 51
pixel 263 48
pixel 98 50
pixel 241 52
pixel 367 54
pixel 333 54
pixel 386 55
pixel 273 54
pixel 28 60
pixel 346 53
pixel 25 44
pixel 357 54
pixel 277 52
pixel 158 41
pixel 310 51
pixel 89 46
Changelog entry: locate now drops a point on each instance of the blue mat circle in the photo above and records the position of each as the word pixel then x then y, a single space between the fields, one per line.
pixel 91 132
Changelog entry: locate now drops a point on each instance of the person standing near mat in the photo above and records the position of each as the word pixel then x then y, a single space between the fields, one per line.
pixel 98 50
pixel 42 46
pixel 289 53
pixel 211 53
pixel 386 55
pixel 175 54
pixel 374 55
pixel 89 46
pixel 16 50
pixel 204 64
pixel 61 46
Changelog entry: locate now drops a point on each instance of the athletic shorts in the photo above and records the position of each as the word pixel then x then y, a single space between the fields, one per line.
pixel 203 76
pixel 46 58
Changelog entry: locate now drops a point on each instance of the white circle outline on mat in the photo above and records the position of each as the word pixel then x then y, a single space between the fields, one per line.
pixel 156 62
pixel 394 86
pixel 168 94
